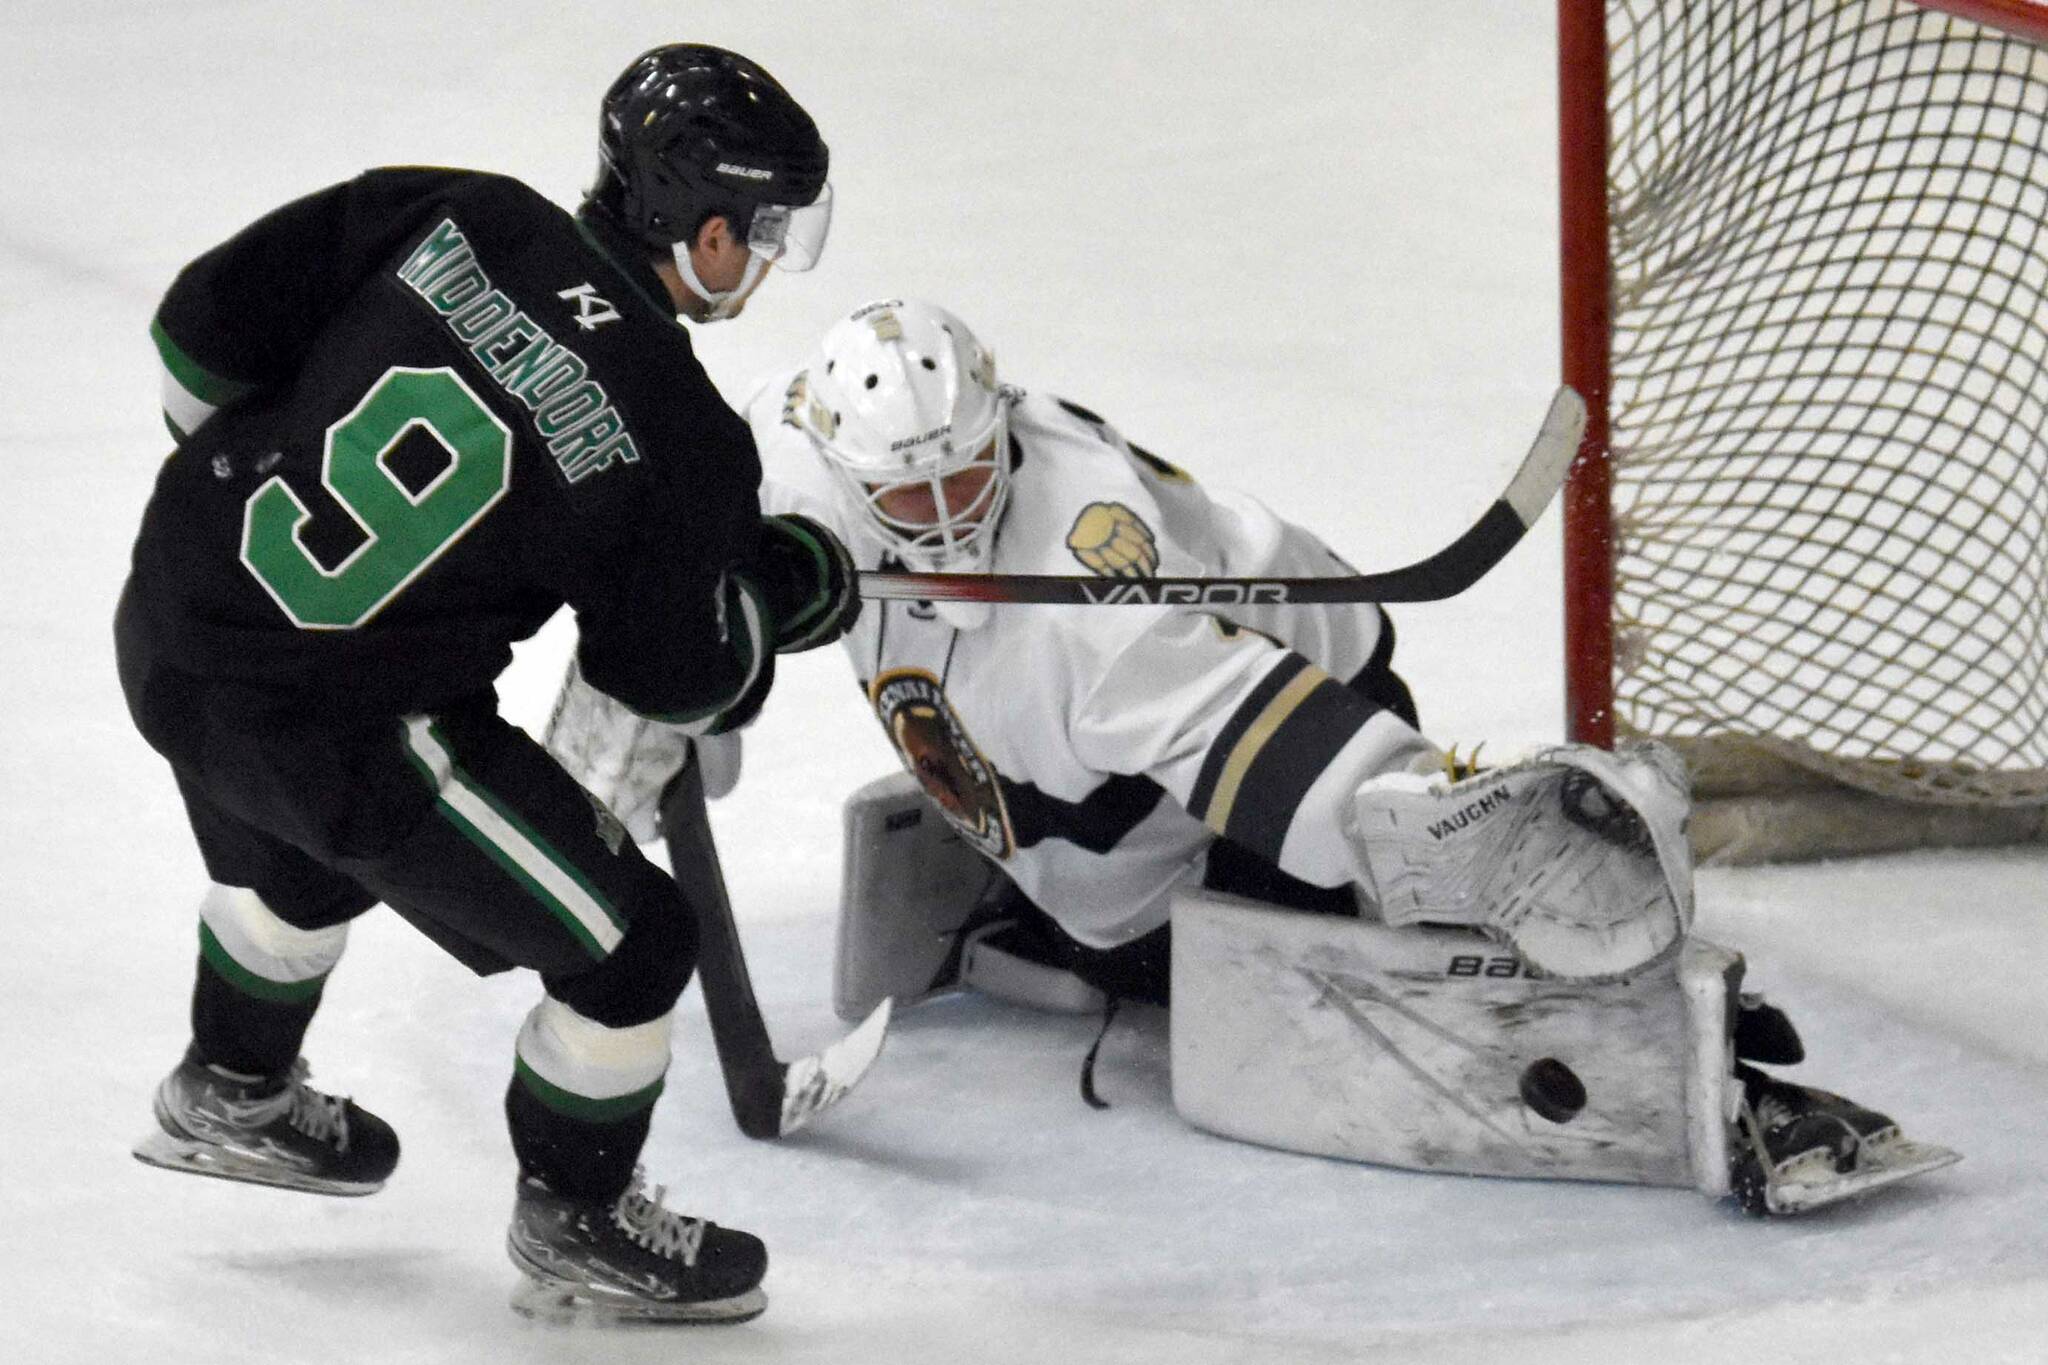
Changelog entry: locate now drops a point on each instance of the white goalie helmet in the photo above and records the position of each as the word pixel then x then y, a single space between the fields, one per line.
pixel 901 402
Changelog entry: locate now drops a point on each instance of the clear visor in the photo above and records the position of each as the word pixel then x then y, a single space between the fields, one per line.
pixel 792 235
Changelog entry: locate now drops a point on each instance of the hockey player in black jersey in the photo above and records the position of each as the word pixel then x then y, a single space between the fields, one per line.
pixel 415 414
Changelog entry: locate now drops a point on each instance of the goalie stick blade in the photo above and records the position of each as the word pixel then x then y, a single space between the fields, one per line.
pixel 1444 574
pixel 811 1085
pixel 1549 459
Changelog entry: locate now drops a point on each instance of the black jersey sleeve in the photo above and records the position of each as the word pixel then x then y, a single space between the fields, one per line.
pixel 242 317
pixel 671 617
pixel 682 633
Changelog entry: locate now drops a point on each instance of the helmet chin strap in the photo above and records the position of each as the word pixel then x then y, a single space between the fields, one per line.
pixel 723 303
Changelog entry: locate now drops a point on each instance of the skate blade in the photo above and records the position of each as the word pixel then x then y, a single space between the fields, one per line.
pixel 1887 1164
pixel 188 1156
pixel 573 1306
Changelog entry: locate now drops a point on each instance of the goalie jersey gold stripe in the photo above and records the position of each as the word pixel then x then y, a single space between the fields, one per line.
pixel 1265 758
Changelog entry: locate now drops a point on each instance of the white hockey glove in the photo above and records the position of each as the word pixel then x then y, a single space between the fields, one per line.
pixel 1575 857
pixel 626 760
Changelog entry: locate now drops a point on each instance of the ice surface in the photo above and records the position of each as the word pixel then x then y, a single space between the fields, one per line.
pixel 1303 248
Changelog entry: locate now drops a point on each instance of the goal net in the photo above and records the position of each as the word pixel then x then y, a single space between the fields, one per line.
pixel 1806 294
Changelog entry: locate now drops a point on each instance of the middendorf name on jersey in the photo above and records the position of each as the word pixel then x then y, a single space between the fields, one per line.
pixel 571 411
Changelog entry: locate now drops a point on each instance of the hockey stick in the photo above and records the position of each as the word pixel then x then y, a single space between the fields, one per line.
pixel 770 1097
pixel 1444 574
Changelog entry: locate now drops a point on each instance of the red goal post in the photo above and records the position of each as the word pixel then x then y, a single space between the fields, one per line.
pixel 1805 295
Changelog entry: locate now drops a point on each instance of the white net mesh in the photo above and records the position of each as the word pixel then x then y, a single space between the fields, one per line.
pixel 1830 401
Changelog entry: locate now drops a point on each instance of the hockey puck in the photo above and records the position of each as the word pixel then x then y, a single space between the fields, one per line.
pixel 1553 1090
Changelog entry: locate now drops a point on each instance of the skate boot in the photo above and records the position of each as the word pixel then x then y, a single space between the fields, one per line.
pixel 267 1130
pixel 1797 1148
pixel 628 1259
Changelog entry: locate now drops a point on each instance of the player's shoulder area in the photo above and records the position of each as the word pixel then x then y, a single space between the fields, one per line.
pixel 1074 472
pixel 495 203
pixel 477 231
pixel 525 240
pixel 1051 413
pixel 793 476
pixel 786 453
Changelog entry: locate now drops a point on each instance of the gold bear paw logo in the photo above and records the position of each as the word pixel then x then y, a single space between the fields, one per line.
pixel 1111 540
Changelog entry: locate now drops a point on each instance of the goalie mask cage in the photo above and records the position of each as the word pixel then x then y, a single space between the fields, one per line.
pixel 1805 270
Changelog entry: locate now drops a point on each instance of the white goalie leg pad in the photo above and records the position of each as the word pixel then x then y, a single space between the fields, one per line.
pixel 1576 857
pixel 589 1060
pixel 907 885
pixel 1434 1049
pixel 251 933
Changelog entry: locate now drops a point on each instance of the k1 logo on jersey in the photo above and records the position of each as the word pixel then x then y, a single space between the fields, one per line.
pixel 592 310
pixel 937 751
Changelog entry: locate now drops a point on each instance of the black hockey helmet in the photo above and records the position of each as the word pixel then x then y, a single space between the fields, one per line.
pixel 689 131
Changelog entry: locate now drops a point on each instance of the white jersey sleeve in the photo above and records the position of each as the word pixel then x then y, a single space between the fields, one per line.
pixel 1247 736
pixel 793 478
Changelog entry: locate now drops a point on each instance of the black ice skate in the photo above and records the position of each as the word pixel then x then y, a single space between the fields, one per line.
pixel 629 1259
pixel 267 1130
pixel 1798 1148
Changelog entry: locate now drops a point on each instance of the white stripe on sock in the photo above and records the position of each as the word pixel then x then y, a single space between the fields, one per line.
pixel 265 945
pixel 586 1058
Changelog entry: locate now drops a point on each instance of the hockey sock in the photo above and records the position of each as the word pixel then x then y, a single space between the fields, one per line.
pixel 241 1030
pixel 581 1097
pixel 258 984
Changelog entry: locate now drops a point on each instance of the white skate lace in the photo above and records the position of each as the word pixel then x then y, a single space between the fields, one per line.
pixel 662 1231
pixel 323 1118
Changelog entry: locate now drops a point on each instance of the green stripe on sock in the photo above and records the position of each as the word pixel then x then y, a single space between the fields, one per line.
pixel 571 1105
pixel 248 982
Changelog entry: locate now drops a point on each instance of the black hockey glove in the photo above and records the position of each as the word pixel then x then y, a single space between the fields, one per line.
pixel 810 582
pixel 747 705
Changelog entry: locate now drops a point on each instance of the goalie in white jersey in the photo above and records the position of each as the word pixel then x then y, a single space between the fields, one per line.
pixel 1095 755
pixel 1102 764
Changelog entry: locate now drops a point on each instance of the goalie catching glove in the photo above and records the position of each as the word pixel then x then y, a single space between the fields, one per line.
pixel 809 579
pixel 1575 857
